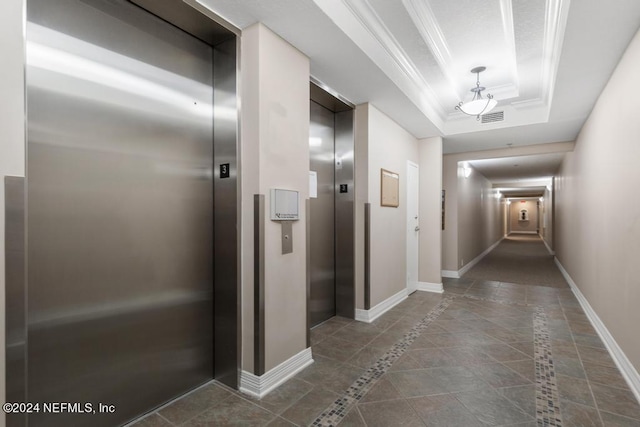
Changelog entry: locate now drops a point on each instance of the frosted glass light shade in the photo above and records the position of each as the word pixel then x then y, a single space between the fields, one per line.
pixel 478 106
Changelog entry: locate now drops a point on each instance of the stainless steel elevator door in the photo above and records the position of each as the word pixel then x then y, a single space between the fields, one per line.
pixel 119 210
pixel 322 304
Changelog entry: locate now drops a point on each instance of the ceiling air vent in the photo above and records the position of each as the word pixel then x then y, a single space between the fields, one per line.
pixel 498 116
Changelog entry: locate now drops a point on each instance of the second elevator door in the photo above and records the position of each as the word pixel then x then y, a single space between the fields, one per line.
pixel 322 162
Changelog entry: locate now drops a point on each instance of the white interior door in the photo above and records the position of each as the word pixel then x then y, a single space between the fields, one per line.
pixel 413 226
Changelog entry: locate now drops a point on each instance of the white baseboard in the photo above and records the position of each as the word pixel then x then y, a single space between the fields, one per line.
pixel 259 386
pixel 551 251
pixel 524 232
pixel 452 274
pixel 477 259
pixel 372 314
pixel 457 274
pixel 430 287
pixel 627 369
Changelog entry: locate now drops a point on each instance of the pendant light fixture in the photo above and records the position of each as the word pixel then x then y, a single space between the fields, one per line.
pixel 478 105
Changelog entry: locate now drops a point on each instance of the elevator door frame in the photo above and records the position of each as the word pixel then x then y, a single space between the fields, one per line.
pixel 344 212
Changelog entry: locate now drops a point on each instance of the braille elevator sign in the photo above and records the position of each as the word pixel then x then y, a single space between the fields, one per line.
pixel 224 170
pixel 343 188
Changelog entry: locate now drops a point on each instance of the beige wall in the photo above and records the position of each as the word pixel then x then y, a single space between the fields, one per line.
pixel 275 154
pixel 546 222
pixel 450 232
pixel 382 143
pixel 430 162
pixel 249 180
pixel 390 146
pixel 530 226
pixel 505 215
pixel 12 137
pixel 480 216
pixel 450 253
pixel 597 208
pixel 361 162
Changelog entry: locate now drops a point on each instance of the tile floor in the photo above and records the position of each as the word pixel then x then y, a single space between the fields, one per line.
pixel 473 365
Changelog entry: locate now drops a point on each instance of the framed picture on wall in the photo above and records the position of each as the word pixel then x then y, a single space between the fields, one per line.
pixel 389 188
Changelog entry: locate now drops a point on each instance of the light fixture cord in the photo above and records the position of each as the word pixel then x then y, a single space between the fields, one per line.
pixel 478 92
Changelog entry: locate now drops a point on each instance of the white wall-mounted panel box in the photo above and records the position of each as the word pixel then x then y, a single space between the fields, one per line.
pixel 284 205
pixel 313 184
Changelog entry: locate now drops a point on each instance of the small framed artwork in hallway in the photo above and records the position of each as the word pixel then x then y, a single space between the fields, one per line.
pixel 389 188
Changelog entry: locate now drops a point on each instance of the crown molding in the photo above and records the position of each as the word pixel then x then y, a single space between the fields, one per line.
pixel 556 15
pixel 424 19
pixel 360 21
pixel 431 32
pixel 506 12
pixel 372 22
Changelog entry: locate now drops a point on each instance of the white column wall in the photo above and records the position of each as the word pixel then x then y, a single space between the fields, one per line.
pixel 275 154
pixel 430 162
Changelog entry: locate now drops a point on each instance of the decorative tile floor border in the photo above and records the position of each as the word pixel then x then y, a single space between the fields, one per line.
pixel 499 301
pixel 547 402
pixel 341 406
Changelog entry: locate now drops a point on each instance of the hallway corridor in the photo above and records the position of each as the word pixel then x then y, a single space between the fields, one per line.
pixel 483 353
pixel 519 258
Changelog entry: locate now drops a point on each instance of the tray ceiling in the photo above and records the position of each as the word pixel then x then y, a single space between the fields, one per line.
pixel 414 65
pixel 428 47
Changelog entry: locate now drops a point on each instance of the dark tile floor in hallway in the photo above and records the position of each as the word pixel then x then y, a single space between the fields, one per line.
pixel 473 365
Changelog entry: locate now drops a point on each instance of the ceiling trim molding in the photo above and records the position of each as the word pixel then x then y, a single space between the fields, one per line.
pixel 361 23
pixel 521 150
pixel 424 19
pixel 504 91
pixel 368 17
pixel 534 182
pixel 506 10
pixel 556 15
pixel 529 103
pixel 359 20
